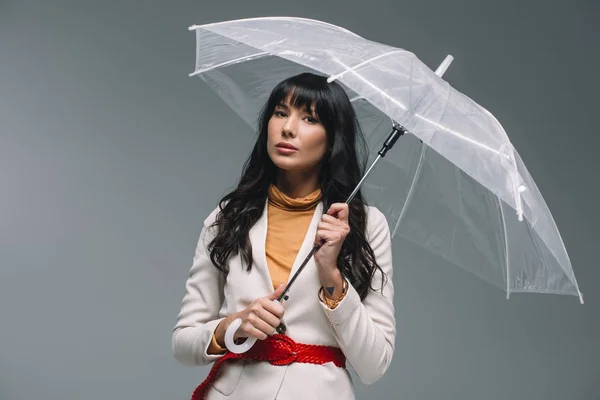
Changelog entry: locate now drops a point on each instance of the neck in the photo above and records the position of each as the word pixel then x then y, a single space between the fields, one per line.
pixel 297 184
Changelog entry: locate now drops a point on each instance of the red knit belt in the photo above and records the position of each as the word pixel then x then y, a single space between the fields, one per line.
pixel 278 350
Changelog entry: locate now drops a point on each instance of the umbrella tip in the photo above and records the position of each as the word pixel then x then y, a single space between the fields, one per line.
pixel 444 65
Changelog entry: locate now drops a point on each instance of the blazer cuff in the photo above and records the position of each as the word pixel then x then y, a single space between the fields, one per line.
pixel 344 309
pixel 207 335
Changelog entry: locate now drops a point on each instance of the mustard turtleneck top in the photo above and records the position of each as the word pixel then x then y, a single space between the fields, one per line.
pixel 288 220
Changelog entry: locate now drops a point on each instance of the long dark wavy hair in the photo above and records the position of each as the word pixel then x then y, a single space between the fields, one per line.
pixel 341 169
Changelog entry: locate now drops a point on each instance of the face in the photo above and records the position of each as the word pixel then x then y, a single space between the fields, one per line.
pixel 302 130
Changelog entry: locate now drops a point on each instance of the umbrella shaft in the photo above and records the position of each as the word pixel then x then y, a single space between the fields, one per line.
pixel 357 188
pixel 284 295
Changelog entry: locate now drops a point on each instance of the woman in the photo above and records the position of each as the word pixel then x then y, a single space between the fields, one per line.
pixel 291 195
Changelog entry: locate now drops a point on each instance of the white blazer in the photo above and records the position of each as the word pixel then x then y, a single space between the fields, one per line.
pixel 365 331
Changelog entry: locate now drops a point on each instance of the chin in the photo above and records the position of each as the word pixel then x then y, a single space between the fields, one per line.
pixel 285 164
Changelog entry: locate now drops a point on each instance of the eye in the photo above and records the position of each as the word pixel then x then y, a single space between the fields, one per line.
pixel 312 120
pixel 279 113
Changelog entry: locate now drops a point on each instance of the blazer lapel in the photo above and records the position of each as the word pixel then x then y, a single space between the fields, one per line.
pixel 309 239
pixel 258 238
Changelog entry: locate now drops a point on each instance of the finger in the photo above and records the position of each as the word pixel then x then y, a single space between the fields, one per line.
pixel 275 295
pixel 326 226
pixel 264 326
pixel 326 238
pixel 273 307
pixel 262 320
pixel 332 233
pixel 332 241
pixel 270 318
pixel 330 219
pixel 327 235
pixel 331 223
pixel 319 241
pixel 321 236
pixel 340 210
pixel 251 331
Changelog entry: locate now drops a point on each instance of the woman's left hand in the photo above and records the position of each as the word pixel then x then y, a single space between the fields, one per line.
pixel 331 233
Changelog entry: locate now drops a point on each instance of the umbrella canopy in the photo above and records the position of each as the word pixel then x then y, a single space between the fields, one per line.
pixel 454 185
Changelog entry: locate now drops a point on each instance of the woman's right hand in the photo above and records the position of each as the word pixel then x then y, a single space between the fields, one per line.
pixel 259 319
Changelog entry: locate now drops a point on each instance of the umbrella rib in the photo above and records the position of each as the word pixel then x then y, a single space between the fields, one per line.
pixel 225 63
pixel 506 255
pixel 339 75
pixel 411 190
pixel 393 100
pixel 571 277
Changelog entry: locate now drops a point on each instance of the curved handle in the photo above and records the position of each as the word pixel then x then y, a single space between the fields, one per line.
pixel 230 332
pixel 237 348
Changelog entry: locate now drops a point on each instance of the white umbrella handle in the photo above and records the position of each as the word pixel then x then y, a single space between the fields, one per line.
pixel 230 344
pixel 229 334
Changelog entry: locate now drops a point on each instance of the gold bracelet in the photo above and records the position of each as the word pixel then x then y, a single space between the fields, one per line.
pixel 333 303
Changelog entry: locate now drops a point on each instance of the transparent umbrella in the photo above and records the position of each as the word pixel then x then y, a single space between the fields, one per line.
pixel 454 183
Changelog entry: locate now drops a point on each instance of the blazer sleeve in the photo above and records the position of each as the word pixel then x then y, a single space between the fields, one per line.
pixel 366 331
pixel 199 314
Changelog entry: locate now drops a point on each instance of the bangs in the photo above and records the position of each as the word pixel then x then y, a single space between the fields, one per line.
pixel 310 98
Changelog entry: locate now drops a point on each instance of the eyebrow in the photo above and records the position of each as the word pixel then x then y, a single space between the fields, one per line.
pixel 286 107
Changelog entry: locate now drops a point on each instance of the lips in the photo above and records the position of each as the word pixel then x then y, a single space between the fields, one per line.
pixel 285 145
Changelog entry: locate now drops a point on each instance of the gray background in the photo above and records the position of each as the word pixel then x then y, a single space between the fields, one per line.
pixel 111 157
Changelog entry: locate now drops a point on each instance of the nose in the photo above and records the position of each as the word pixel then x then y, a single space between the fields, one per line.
pixel 288 128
